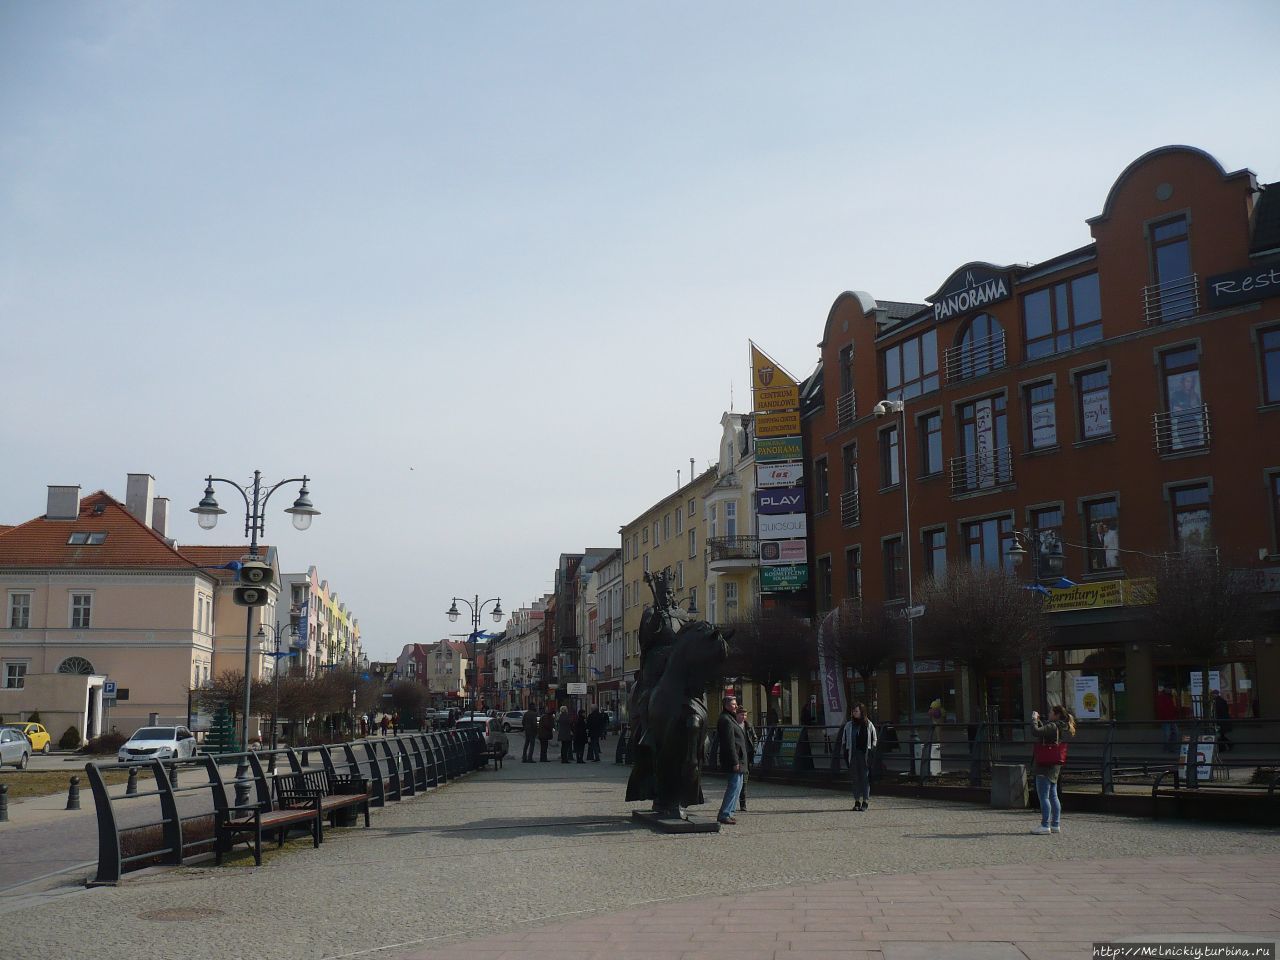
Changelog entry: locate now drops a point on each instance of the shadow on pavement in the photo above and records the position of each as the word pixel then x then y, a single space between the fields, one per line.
pixel 532 826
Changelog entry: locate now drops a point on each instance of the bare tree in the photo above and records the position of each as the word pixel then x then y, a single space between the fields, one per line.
pixel 1200 611
pixel 409 699
pixel 866 636
pixel 770 647
pixel 982 618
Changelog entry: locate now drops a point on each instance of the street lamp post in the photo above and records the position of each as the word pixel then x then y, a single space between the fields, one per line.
pixel 1046 564
pixel 477 609
pixel 882 409
pixel 275 631
pixel 255 518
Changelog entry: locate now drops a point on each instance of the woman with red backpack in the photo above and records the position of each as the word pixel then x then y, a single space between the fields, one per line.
pixel 1049 754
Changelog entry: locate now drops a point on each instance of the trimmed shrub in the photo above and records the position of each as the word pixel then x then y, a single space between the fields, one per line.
pixel 108 743
pixel 70 740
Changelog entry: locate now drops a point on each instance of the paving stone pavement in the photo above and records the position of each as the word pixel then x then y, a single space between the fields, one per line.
pixel 542 859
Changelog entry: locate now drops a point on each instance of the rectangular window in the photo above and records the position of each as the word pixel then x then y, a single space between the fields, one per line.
pixel 626 598
pixel 679 522
pixel 15 675
pixel 1046 527
pixel 1191 527
pixel 19 611
pixel 988 541
pixel 1175 293
pixel 646 563
pixel 1042 418
pixel 691 509
pixel 1102 535
pixel 823 585
pixel 1094 390
pixel 1180 371
pixel 666 527
pixel 713 521
pixel 693 599
pixel 910 368
pixel 849 468
pixel 846 370
pixel 644 535
pixel 655 533
pixel 1269 346
pixel 730 596
pixel 81 610
pixel 821 486
pixel 731 518
pixel 679 574
pixel 1273 486
pixel 935 553
pixel 984 443
pixel 930 427
pixel 894 580
pixel 853 573
pixel 890 465
pixel 711 603
pixel 1058 318
pixel 693 543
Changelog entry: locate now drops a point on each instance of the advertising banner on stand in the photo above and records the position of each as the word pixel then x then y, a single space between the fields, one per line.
pixel 784 424
pixel 777 552
pixel 779 474
pixel 782 579
pixel 770 449
pixel 780 500
pixel 787 526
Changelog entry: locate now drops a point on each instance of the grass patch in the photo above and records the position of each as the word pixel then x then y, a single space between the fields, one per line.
pixel 42 783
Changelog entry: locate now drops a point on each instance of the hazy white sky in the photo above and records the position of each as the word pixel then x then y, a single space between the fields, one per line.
pixel 487 271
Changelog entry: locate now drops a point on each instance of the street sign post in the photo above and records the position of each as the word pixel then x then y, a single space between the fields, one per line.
pixel 108 690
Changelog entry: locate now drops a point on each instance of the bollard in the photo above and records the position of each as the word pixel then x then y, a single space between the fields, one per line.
pixel 73 794
pixel 271 767
pixel 4 802
pixel 305 754
pixel 173 774
pixel 242 788
pixel 131 788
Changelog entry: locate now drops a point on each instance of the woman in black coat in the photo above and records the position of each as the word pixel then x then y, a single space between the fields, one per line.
pixel 580 735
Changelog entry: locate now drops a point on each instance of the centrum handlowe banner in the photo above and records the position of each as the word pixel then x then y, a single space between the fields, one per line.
pixel 779 579
pixel 767 374
pixel 773 449
pixel 785 424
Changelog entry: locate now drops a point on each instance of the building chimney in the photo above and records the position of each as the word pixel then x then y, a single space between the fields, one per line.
pixel 64 503
pixel 691 469
pixel 160 515
pixel 138 494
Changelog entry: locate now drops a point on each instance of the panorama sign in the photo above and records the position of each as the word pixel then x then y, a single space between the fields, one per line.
pixel 971 287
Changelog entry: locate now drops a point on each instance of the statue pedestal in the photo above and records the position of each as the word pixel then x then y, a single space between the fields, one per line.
pixel 664 824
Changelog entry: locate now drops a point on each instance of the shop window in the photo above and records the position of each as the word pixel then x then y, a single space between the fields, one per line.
pixel 1093 388
pixel 1269 356
pixel 1190 506
pixel 987 541
pixel 1234 679
pixel 1041 416
pixel 1061 317
pixel 910 368
pixel 1089 682
pixel 930 427
pixel 935 680
pixel 1102 535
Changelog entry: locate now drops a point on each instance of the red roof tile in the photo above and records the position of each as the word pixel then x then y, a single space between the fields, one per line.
pixel 128 543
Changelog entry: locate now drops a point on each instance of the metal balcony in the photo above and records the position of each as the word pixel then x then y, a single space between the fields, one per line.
pixel 975 358
pixel 1181 431
pixel 981 471
pixel 850 509
pixel 846 409
pixel 732 548
pixel 1171 300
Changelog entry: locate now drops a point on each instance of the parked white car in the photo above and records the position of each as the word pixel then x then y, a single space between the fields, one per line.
pixel 512 720
pixel 15 748
pixel 158 743
pixel 494 739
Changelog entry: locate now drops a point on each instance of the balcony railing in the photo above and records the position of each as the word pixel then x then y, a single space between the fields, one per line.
pixel 1181 430
pixel 975 358
pixel 850 509
pixel 981 471
pixel 1171 300
pixel 732 548
pixel 846 409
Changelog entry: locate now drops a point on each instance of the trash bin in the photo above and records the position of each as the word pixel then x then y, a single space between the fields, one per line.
pixel 1009 786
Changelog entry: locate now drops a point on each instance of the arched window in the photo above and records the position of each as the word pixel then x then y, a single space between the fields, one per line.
pixel 979 349
pixel 76 665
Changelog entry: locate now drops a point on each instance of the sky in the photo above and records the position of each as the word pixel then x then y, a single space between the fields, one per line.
pixel 487 272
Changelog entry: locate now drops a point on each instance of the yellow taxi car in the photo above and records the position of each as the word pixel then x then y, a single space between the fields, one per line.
pixel 41 742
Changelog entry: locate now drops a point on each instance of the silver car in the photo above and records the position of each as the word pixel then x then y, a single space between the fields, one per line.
pixel 157 743
pixel 15 748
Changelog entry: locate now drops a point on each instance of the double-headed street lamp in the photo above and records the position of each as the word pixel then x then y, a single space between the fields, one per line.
pixel 276 631
pixel 477 609
pixel 255 519
pixel 1045 552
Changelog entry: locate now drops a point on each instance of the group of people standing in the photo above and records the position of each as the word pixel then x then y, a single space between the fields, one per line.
pixel 579 732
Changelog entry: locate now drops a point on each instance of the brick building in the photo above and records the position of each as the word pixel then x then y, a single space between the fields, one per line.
pixel 1122 398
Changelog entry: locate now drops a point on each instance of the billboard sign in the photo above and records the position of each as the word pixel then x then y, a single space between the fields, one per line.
pixel 777 398
pixel 779 474
pixel 778 448
pixel 786 424
pixel 780 500
pixel 787 526
pixel 784 579
pixel 780 552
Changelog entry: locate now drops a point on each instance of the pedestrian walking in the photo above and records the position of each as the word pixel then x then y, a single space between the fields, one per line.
pixel 1167 714
pixel 1049 756
pixel 386 722
pixel 546 728
pixel 529 724
pixel 564 733
pixel 395 723
pixel 1222 713
pixel 731 745
pixel 858 740
pixel 595 730
pixel 580 735
pixel 751 752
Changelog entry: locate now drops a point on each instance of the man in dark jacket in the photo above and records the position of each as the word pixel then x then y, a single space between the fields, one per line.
pixel 731 744
pixel 595 730
pixel 546 724
pixel 529 724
